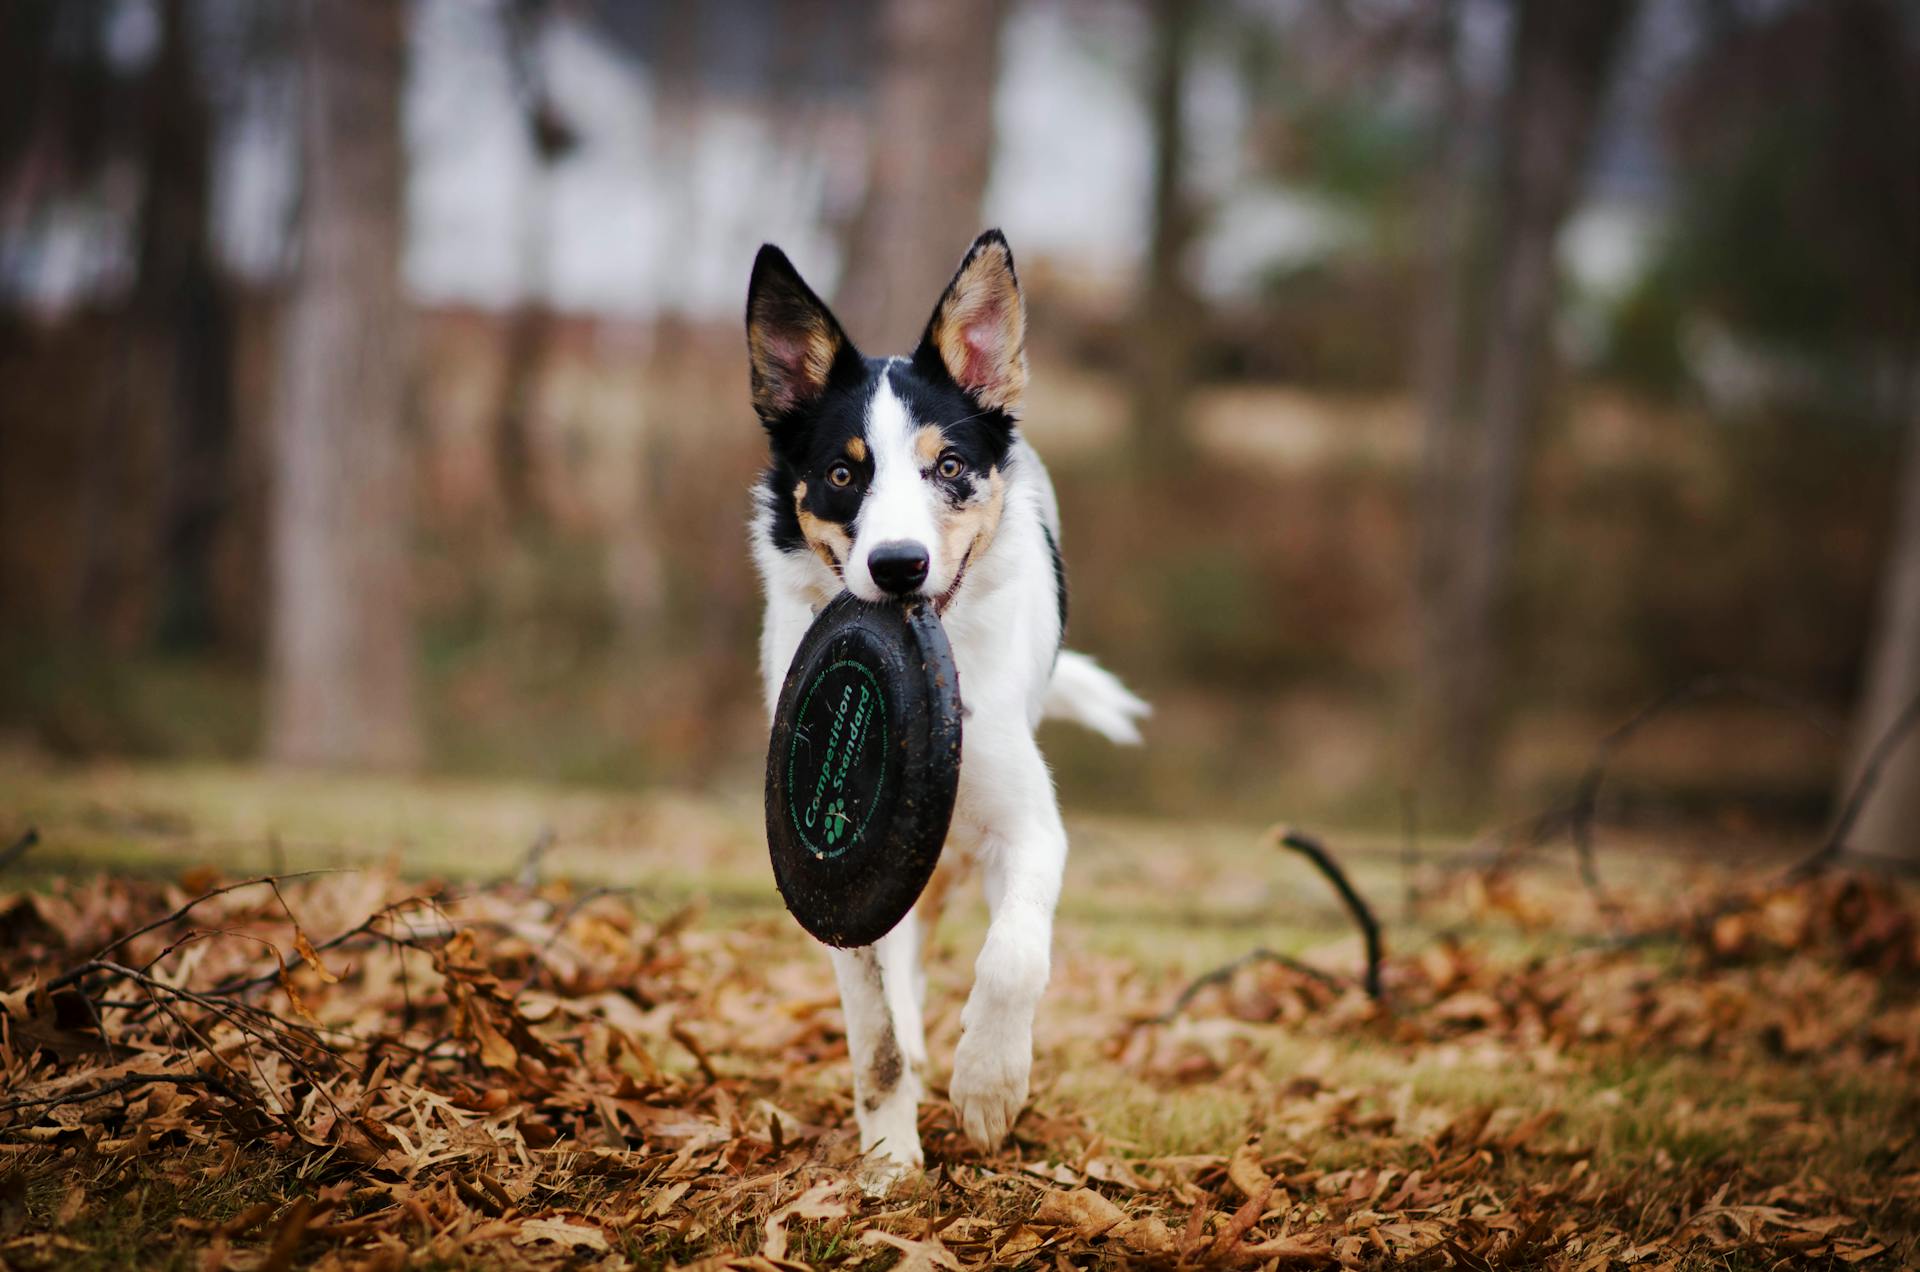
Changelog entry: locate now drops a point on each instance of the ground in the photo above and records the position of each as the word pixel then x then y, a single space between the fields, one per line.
pixel 510 1026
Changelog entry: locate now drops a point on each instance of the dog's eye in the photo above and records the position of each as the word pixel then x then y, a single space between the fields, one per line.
pixel 951 465
pixel 839 475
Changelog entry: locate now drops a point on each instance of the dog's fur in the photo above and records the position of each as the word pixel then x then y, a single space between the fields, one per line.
pixel 926 450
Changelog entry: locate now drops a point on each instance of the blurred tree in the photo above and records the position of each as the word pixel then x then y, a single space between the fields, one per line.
pixel 1798 230
pixel 929 155
pixel 1444 209
pixel 70 117
pixel 1890 824
pixel 552 137
pixel 1797 136
pixel 1164 320
pixel 181 339
pixel 340 642
pixel 1559 58
pixel 1877 152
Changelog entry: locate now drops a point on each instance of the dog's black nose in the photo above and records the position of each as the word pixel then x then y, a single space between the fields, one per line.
pixel 899 566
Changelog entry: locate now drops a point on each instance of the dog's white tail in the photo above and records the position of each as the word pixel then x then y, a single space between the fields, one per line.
pixel 1089 695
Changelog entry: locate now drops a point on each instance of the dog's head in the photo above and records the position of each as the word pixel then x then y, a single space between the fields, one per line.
pixel 892 470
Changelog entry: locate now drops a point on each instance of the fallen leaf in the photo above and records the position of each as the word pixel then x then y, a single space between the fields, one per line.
pixel 561 1232
pixel 815 1203
pixel 1145 1235
pixel 312 957
pixel 915 1256
pixel 1085 1211
pixel 1245 1172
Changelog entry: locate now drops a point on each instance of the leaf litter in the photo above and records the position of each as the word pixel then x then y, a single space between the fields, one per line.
pixel 524 1076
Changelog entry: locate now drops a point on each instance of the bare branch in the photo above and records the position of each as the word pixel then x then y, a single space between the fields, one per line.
pixel 1312 850
pixel 1225 972
pixel 1863 790
pixel 18 848
pixel 181 913
pixel 1580 815
pixel 82 1095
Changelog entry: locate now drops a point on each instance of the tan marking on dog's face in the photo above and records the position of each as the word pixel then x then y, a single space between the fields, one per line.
pixel 828 539
pixel 967 532
pixel 857 449
pixel 928 442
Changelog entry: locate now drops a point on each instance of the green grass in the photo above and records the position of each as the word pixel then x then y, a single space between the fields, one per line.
pixel 128 1201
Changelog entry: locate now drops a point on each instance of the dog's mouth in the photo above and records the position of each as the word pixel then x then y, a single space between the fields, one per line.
pixel 945 598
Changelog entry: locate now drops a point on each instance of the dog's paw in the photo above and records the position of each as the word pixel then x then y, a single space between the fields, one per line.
pixel 882 1168
pixel 890 1140
pixel 989 1087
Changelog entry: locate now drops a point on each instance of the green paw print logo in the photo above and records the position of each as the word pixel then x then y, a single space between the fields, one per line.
pixel 837 821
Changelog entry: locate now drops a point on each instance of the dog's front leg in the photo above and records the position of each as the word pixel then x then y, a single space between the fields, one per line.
pixel 879 994
pixel 1023 851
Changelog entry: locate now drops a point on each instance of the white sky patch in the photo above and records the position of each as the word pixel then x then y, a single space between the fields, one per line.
pixel 661 207
pixel 1261 230
pixel 1072 156
pixel 653 212
pixel 1606 247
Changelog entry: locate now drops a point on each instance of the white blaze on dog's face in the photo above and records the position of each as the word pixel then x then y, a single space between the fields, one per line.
pixel 891 471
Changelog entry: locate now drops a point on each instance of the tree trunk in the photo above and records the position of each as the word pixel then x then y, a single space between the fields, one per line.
pixel 1444 209
pixel 183 333
pixel 1163 321
pixel 1561 53
pixel 931 150
pixel 1890 823
pixel 340 643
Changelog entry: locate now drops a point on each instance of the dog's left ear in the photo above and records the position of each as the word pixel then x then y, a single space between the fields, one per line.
pixel 978 332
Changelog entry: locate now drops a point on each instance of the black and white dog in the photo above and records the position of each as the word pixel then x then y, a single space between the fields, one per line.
pixel 909 476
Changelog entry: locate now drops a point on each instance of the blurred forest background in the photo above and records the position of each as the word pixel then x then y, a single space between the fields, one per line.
pixel 1428 385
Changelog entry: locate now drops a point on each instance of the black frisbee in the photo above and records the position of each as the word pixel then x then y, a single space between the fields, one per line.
pixel 862 767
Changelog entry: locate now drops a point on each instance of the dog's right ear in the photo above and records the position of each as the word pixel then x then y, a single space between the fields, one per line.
pixel 794 343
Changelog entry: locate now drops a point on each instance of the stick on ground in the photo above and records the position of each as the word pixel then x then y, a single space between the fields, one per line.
pixel 1310 848
pixel 1313 851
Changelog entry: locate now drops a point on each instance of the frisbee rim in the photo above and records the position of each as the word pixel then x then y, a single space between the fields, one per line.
pixel 857 894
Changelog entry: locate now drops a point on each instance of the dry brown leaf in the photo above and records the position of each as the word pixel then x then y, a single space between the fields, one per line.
pixel 1085 1211
pixel 915 1256
pixel 293 995
pixel 71 1206
pixel 816 1202
pixel 1287 1251
pixel 1145 1235
pixel 1245 1172
pixel 566 1233
pixel 312 956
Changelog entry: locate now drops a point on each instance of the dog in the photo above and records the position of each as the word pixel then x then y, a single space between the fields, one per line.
pixel 909 476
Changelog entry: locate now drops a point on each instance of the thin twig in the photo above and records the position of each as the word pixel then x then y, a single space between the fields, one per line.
pixel 1225 972
pixel 1863 790
pixel 1580 815
pixel 679 1034
pixel 528 875
pixel 177 915
pixel 120 1084
pixel 18 848
pixel 1509 841
pixel 364 928
pixel 1314 851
